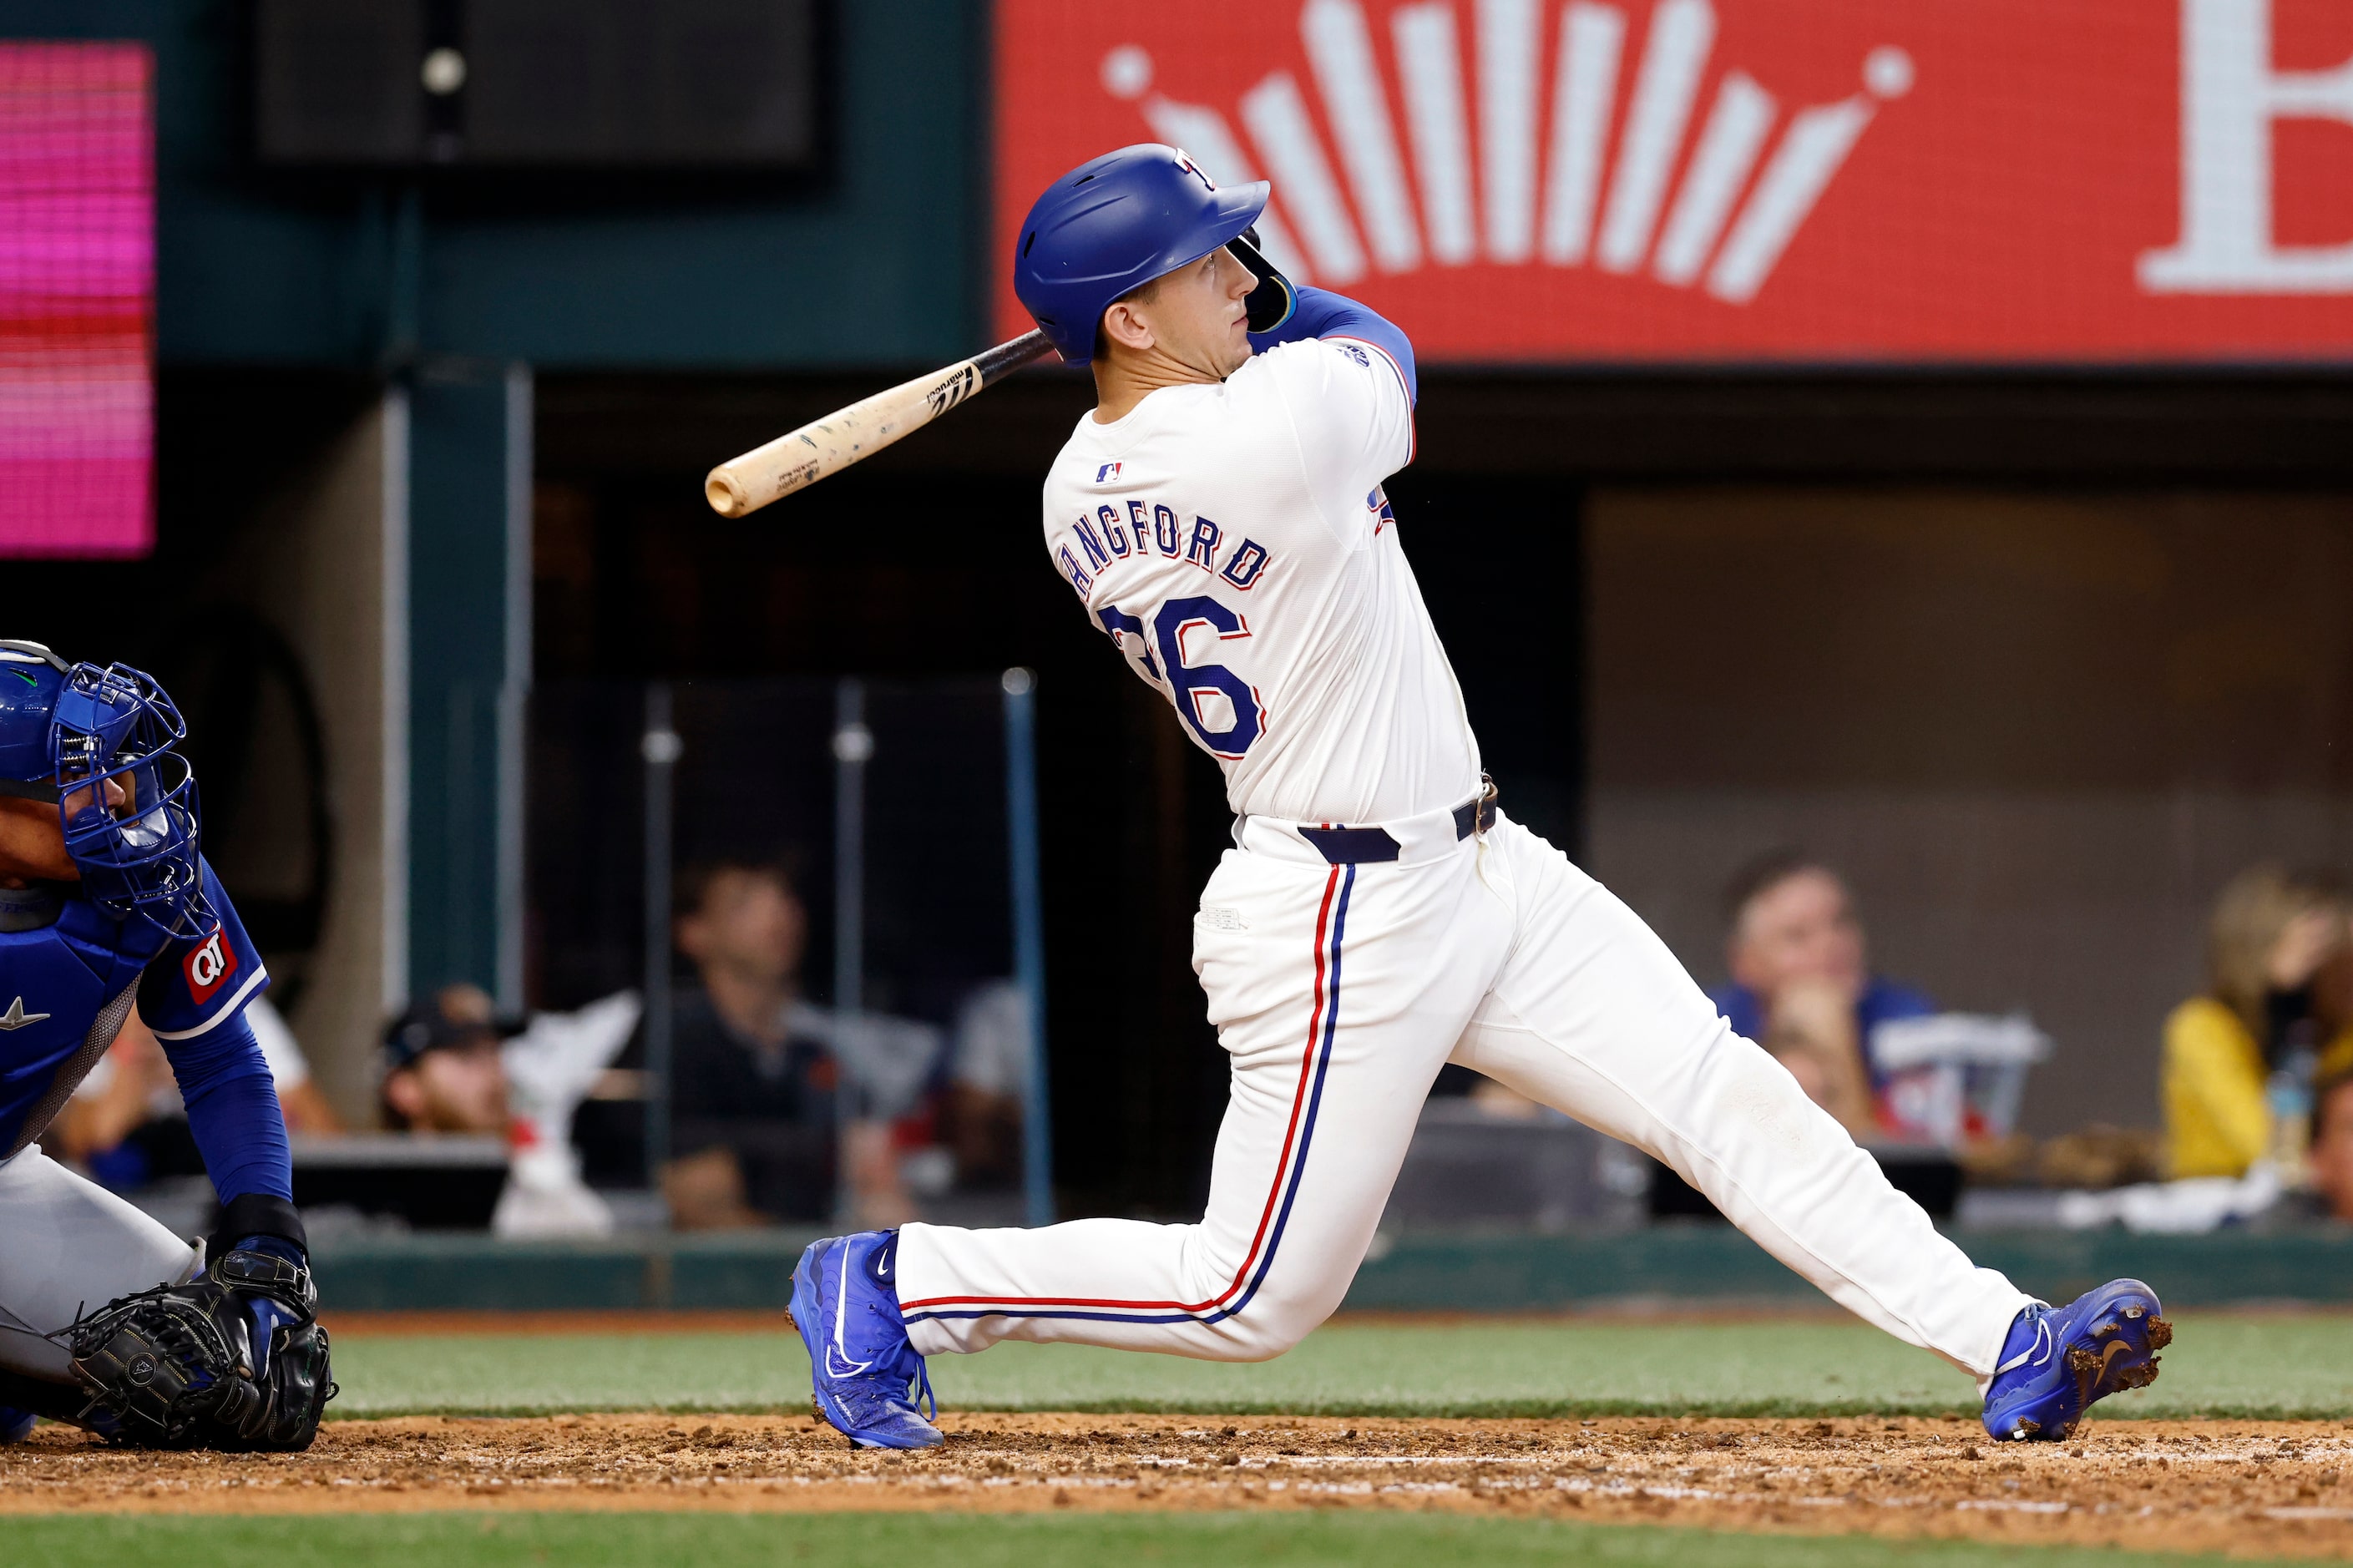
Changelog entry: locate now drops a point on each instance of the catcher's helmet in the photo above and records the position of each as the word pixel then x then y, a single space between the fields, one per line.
pixel 1117 222
pixel 69 730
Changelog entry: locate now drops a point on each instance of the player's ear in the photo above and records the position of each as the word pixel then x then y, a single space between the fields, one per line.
pixel 1124 324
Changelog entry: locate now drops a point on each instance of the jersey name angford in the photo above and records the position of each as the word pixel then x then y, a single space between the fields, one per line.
pixel 1109 536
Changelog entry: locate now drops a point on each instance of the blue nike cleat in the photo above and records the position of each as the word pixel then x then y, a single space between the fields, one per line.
pixel 861 1367
pixel 16 1425
pixel 2058 1360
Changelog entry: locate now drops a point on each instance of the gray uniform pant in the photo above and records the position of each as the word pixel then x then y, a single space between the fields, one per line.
pixel 68 1245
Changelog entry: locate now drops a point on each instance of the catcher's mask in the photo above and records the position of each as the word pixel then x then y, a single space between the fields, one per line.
pixel 98 741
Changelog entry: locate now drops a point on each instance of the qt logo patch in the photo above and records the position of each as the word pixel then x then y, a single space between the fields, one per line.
pixel 209 965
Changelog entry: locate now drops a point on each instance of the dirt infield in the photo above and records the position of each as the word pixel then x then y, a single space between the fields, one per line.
pixel 2251 1488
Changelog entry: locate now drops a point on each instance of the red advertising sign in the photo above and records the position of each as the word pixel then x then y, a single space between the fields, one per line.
pixel 2097 180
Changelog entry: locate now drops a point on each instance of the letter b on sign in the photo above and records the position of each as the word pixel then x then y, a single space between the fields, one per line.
pixel 2230 97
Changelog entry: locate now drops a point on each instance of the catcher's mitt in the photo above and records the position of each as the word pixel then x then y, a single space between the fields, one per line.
pixel 234 1361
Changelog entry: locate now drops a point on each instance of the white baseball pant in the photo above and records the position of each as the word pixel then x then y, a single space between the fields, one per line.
pixel 1339 990
pixel 68 1245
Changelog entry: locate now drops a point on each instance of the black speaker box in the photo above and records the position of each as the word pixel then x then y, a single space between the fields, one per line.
pixel 537 84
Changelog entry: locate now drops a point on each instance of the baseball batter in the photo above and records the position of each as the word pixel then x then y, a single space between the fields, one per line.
pixel 1219 517
pixel 107 1318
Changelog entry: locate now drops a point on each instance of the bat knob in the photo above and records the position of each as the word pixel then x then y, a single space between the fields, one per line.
pixel 726 494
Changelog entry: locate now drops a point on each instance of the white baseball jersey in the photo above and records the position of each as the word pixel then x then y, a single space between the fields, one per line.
pixel 1234 541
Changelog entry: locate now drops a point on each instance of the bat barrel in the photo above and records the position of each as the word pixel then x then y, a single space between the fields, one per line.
pixel 794 461
pixel 800 459
pixel 727 493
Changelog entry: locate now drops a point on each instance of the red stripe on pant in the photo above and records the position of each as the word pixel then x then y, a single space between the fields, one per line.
pixel 1274 1189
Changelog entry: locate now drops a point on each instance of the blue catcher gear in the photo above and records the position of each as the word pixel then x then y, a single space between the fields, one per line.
pixel 1115 222
pixel 98 743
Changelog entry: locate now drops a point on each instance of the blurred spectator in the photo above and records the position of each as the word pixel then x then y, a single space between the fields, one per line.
pixel 120 1124
pixel 987 1080
pixel 2238 1060
pixel 2099 1156
pixel 757 1080
pixel 441 1067
pixel 2332 1144
pixel 1801 986
pixel 126 1125
pixel 451 1066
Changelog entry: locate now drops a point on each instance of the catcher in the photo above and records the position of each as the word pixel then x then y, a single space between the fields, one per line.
pixel 107 1320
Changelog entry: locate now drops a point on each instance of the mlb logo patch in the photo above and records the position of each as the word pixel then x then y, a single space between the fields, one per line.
pixel 209 965
pixel 1107 473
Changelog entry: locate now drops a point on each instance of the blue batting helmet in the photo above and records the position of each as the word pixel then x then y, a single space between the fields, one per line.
pixel 68 733
pixel 1115 222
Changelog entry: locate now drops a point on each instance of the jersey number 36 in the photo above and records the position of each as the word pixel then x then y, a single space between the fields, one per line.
pixel 1199 690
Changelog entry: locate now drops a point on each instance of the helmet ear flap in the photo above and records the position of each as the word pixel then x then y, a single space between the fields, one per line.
pixel 1271 303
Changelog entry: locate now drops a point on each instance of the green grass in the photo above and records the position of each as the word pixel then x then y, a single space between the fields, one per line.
pixel 972 1541
pixel 2284 1365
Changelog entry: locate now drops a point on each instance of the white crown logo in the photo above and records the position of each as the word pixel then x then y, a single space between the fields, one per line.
pixel 1536 198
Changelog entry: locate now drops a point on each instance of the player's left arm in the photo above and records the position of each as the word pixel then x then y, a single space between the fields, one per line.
pixel 1320 313
pixel 192 996
pixel 1345 381
pixel 261 1380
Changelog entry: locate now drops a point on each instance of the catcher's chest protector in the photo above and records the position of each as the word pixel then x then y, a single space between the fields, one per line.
pixel 65 990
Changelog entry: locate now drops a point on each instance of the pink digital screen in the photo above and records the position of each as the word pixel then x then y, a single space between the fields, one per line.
pixel 77 300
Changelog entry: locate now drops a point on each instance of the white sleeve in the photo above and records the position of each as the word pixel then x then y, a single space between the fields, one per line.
pixel 1350 415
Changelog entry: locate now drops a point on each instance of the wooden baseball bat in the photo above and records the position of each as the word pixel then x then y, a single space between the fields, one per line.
pixel 844 436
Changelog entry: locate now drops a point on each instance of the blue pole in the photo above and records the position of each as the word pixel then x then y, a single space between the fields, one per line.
pixel 1028 939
